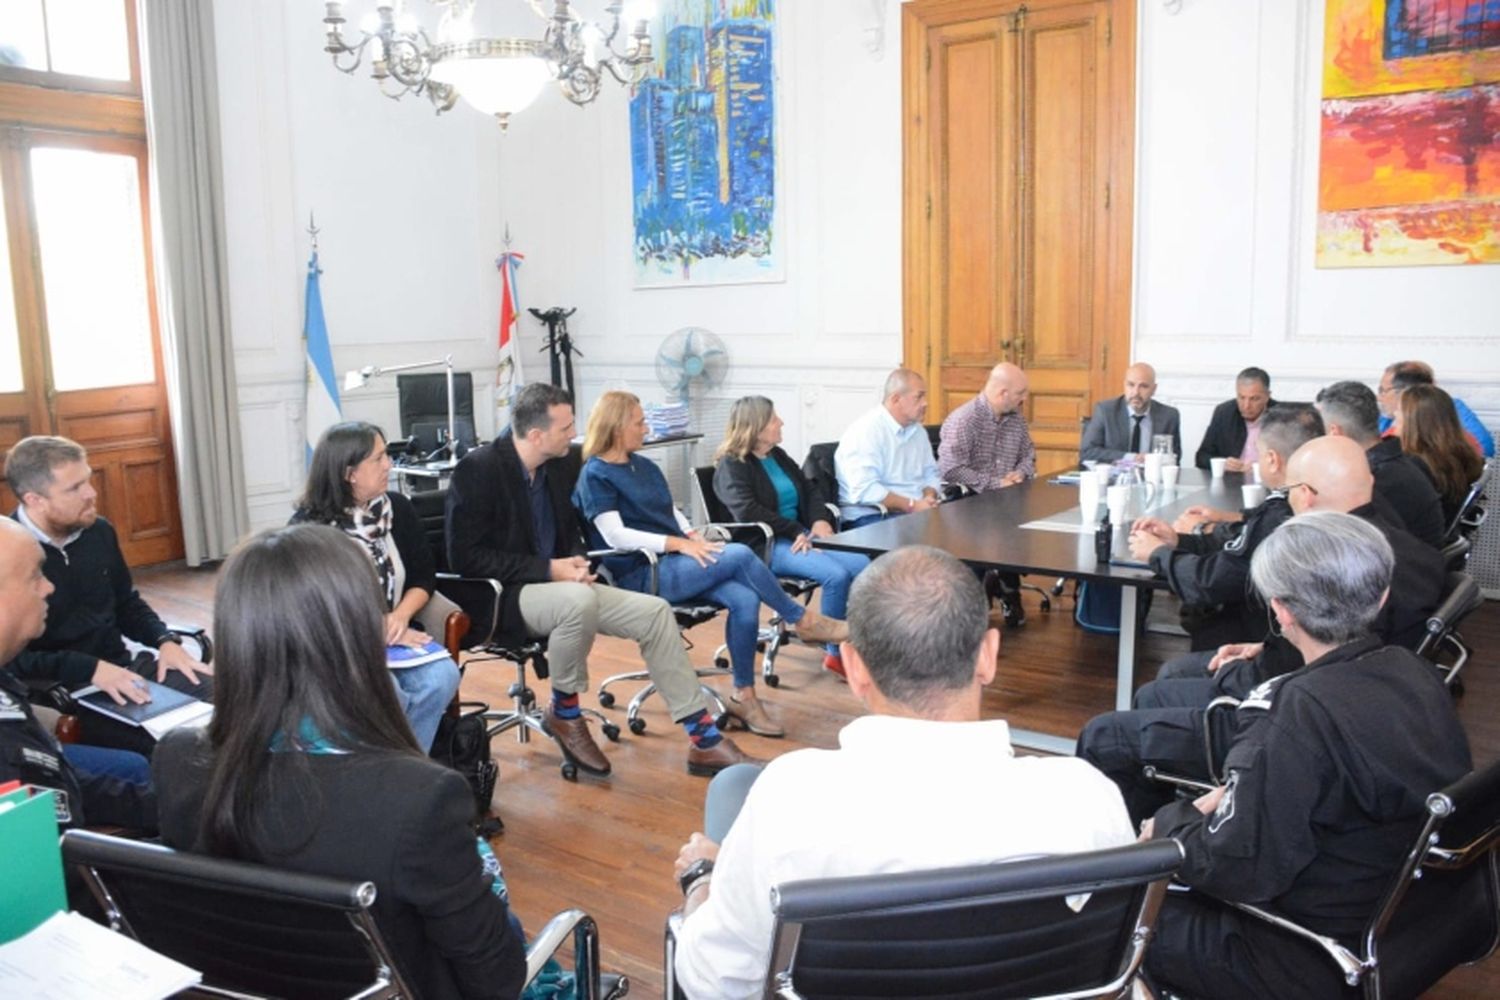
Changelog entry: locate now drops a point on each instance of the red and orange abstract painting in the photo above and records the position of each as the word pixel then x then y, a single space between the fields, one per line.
pixel 1410 138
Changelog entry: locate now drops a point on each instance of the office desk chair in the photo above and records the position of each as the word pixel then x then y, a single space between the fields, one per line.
pixel 1471 513
pixel 1441 907
pixel 983 932
pixel 1442 644
pixel 258 931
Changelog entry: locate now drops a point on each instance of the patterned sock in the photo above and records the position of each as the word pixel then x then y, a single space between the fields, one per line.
pixel 565 706
pixel 701 730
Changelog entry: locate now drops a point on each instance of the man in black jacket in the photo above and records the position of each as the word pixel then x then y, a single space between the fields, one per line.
pixel 1350 409
pixel 510 519
pixel 27 751
pixel 1323 792
pixel 1235 424
pixel 1209 567
pixel 95 606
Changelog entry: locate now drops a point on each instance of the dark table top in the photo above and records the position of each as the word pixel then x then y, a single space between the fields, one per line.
pixel 985 530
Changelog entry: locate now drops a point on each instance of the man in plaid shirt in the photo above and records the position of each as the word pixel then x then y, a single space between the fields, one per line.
pixel 985 443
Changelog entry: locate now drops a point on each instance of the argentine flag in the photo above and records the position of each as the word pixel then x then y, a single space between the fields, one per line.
pixel 323 410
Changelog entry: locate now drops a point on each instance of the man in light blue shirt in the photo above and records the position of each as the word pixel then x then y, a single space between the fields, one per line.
pixel 885 456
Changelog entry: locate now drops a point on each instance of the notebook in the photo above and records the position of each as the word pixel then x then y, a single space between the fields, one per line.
pixel 166 710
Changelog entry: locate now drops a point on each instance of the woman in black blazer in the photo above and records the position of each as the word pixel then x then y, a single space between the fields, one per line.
pixel 309 765
pixel 758 481
pixel 346 489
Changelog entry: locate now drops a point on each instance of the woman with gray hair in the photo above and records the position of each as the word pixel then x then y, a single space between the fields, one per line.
pixel 1324 784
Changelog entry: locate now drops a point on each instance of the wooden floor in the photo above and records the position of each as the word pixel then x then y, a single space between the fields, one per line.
pixel 608 845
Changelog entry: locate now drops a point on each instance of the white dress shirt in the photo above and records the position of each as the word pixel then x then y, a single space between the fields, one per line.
pixel 877 456
pixel 898 795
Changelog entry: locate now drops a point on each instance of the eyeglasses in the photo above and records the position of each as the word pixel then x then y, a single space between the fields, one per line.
pixel 1307 486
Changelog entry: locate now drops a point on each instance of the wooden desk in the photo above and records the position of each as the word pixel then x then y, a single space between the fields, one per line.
pixel 985 531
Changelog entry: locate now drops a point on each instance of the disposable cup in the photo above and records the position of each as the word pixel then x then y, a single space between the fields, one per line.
pixel 1169 476
pixel 1253 494
pixel 1216 466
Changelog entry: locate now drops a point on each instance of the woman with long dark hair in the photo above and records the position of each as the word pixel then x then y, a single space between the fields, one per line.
pixel 346 489
pixel 308 764
pixel 1427 423
pixel 625 500
pixel 758 481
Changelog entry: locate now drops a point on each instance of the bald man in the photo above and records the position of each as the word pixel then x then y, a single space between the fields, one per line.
pixel 1125 425
pixel 985 444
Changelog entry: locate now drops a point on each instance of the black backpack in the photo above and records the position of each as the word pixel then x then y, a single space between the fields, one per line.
pixel 463 743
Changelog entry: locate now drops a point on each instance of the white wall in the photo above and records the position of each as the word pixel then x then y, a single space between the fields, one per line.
pixel 412 208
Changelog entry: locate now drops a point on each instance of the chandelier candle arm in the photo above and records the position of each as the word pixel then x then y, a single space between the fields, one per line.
pixel 497 75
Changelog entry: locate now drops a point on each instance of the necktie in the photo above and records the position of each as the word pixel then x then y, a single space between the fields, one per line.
pixel 1135 434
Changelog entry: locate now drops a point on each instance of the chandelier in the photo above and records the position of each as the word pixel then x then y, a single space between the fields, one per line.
pixel 497 75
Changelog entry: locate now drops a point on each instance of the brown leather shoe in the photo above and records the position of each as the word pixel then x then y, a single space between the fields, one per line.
pixel 814 628
pixel 576 742
pixel 751 714
pixel 706 763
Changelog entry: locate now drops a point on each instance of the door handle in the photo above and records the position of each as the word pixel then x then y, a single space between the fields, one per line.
pixel 1004 345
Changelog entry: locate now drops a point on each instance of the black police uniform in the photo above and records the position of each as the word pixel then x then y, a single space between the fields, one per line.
pixel 1324 796
pixel 1211 574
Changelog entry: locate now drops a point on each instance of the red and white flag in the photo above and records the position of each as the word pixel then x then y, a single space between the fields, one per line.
pixel 508 380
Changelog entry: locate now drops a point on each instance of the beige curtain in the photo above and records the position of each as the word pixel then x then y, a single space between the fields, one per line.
pixel 182 125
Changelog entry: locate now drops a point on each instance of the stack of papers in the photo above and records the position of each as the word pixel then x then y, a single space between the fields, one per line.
pixel 166 710
pixel 666 419
pixel 69 957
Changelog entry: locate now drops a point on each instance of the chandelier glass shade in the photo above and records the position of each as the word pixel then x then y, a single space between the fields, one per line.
pixel 496 74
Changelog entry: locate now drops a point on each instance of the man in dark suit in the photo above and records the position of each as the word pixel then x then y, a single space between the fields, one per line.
pixel 510 519
pixel 1125 425
pixel 1236 422
pixel 1350 409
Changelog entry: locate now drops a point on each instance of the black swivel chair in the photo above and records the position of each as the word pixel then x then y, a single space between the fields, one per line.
pixel 479 597
pixel 775 633
pixel 1471 513
pixel 1441 908
pixel 982 932
pixel 258 931
pixel 1442 644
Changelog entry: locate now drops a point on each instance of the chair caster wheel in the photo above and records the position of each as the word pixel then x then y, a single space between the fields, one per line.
pixel 606 699
pixel 772 680
pixel 1046 604
pixel 569 771
pixel 760 647
pixel 721 663
pixel 723 721
pixel 638 726
pixel 612 732
pixel 514 691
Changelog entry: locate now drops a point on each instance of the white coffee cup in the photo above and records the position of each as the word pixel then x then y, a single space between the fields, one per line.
pixel 1169 476
pixel 1119 500
pixel 1253 494
pixel 1088 497
pixel 1153 467
pixel 1216 466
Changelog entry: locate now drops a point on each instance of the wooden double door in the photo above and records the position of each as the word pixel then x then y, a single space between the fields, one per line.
pixel 1017 202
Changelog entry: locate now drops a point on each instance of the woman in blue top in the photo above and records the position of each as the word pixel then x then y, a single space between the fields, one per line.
pixel 625 499
pixel 758 481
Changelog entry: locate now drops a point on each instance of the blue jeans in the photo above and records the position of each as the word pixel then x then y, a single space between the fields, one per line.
pixel 123 765
pixel 834 571
pixel 738 580
pixel 424 693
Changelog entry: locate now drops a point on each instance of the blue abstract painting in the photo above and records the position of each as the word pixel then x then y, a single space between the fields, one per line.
pixel 703 147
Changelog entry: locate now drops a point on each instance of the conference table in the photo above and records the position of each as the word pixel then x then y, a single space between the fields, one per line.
pixel 1036 527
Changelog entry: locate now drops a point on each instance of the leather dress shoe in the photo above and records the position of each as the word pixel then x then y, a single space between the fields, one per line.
pixel 706 763
pixel 751 714
pixel 576 742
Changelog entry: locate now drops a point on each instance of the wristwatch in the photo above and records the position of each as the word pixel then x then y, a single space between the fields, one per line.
pixel 169 637
pixel 701 868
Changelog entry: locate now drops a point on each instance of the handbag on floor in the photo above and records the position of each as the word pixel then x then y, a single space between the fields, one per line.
pixel 463 743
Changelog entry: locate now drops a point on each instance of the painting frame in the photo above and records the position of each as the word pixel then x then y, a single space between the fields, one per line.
pixel 707 187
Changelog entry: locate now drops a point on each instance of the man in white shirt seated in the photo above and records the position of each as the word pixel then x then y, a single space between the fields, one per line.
pixel 919 783
pixel 885 456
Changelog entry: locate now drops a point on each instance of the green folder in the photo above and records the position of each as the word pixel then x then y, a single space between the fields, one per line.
pixel 31 881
